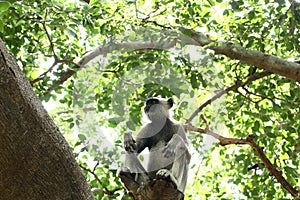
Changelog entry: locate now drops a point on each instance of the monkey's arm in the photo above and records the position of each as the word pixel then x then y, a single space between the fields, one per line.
pixel 179 140
pixel 181 132
pixel 132 163
pixel 135 146
pixel 142 140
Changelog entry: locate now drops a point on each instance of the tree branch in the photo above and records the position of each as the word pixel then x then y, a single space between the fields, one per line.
pixel 104 190
pixel 225 91
pixel 259 59
pixel 162 189
pixel 49 38
pixel 104 50
pixel 258 150
pixel 56 61
pixel 265 61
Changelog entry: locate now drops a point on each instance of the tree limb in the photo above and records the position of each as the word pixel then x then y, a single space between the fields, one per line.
pixel 225 91
pixel 265 61
pixel 162 189
pixel 49 38
pixel 258 150
pixel 259 59
pixel 104 50
pixel 56 61
pixel 104 190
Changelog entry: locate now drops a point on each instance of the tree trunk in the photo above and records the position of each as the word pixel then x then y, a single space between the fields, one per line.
pixel 35 159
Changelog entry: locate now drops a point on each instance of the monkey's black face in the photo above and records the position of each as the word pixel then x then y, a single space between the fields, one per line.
pixel 155 101
pixel 150 102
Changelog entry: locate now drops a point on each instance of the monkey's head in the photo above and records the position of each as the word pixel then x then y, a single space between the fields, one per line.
pixel 157 108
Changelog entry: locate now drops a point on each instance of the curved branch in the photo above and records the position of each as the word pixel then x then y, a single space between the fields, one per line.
pixel 104 189
pixel 258 150
pixel 265 61
pixel 49 38
pixel 56 61
pixel 225 91
pixel 104 50
pixel 259 59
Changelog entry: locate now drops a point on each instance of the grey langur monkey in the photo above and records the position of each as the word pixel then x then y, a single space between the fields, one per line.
pixel 167 143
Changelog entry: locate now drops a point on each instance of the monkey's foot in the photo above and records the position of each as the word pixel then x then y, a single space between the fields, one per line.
pixel 167 175
pixel 140 178
pixel 124 171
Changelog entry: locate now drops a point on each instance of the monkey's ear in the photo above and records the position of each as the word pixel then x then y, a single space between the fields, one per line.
pixel 170 102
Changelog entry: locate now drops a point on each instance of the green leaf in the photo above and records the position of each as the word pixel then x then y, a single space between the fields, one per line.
pixel 269 131
pixel 240 157
pixel 4 5
pixel 186 32
pixel 256 126
pixel 113 122
pixel 194 81
pixel 1 26
pixel 265 118
pixel 82 137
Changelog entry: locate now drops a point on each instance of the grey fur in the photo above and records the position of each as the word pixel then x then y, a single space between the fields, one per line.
pixel 167 143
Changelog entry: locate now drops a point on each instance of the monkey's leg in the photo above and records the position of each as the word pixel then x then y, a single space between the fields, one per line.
pixel 134 165
pixel 181 165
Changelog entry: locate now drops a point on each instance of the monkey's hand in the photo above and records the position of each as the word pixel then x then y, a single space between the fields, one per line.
pixel 166 174
pixel 129 142
pixel 169 149
pixel 173 145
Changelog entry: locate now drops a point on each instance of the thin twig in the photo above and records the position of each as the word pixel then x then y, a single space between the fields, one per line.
pixel 42 76
pixel 50 40
pixel 104 190
pixel 57 61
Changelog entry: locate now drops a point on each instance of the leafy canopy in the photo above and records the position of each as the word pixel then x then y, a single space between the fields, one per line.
pixel 98 101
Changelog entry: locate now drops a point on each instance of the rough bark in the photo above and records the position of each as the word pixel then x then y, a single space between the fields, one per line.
pixel 158 189
pixel 35 160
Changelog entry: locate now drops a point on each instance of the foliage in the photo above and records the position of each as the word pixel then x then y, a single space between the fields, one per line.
pixel 103 99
